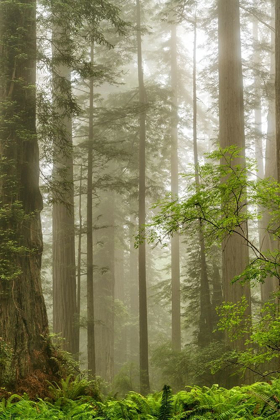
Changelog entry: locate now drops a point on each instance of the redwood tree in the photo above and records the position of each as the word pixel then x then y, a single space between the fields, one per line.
pixel 65 318
pixel 24 347
pixel 277 82
pixel 175 241
pixel 205 318
pixel 267 242
pixel 90 287
pixel 235 255
pixel 143 316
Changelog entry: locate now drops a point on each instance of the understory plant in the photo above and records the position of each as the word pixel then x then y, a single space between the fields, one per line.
pixel 258 401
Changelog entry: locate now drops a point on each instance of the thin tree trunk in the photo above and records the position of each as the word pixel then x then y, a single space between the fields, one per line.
pixel 143 316
pixel 258 120
pixel 205 320
pixel 120 294
pixel 266 241
pixel 104 258
pixel 270 151
pixel 79 262
pixel 64 270
pixel 277 83
pixel 277 94
pixel 90 299
pixel 217 300
pixel 258 108
pixel 134 295
pixel 175 244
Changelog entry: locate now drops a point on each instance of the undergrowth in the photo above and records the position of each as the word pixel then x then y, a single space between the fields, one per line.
pixel 78 399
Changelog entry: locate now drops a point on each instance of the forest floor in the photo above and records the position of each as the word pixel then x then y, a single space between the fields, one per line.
pixel 258 401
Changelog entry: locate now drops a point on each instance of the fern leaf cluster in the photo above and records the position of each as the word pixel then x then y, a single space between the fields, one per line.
pixel 71 400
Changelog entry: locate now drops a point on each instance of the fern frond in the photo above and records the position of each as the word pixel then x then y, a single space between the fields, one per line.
pixel 165 410
pixel 265 399
pixel 229 414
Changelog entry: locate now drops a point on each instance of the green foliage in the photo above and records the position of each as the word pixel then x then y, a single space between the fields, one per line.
pixel 263 342
pixel 126 379
pixel 174 366
pixel 227 199
pixel 166 404
pixel 73 388
pixel 11 215
pixel 233 320
pixel 258 401
pixel 193 365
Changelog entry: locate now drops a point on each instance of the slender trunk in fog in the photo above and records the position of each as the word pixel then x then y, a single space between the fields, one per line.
pixel 120 294
pixel 277 83
pixel 175 244
pixel 134 297
pixel 217 300
pixel 258 120
pixel 104 263
pixel 258 109
pixel 143 315
pixel 64 270
pixel 205 319
pixel 90 299
pixel 277 88
pixel 270 150
pixel 79 261
pixel 267 243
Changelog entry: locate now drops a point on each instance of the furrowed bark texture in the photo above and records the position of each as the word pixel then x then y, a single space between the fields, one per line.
pixel 23 318
pixel 231 113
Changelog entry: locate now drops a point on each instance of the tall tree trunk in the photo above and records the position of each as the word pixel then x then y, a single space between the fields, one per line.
pixel 120 295
pixel 23 317
pixel 267 243
pixel 143 315
pixel 134 295
pixel 258 120
pixel 258 109
pixel 217 300
pixel 175 244
pixel 277 83
pixel 90 299
pixel 235 256
pixel 104 258
pixel 64 270
pixel 277 93
pixel 270 150
pixel 205 319
pixel 79 260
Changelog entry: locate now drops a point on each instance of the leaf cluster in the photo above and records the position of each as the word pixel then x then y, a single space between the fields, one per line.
pixel 227 198
pixel 262 352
